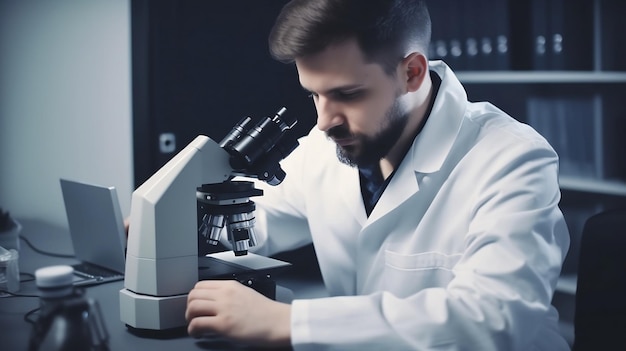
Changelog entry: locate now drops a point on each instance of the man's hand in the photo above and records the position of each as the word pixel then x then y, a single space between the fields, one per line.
pixel 237 312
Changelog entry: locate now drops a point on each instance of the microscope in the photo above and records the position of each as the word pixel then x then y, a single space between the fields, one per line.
pixel 182 210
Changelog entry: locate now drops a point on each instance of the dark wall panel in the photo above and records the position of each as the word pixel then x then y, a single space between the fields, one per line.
pixel 199 67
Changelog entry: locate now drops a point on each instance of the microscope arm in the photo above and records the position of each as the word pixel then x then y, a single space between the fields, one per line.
pixel 162 253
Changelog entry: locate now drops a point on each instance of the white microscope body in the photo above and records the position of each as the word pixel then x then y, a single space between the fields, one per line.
pixel 162 251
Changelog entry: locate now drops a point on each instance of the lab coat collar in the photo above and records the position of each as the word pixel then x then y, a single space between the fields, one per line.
pixel 432 145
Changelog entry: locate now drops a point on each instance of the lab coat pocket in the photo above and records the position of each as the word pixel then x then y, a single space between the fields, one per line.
pixel 406 274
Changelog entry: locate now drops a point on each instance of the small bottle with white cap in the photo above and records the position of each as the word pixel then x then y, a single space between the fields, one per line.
pixel 67 320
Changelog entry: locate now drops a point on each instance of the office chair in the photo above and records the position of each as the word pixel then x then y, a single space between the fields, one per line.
pixel 600 308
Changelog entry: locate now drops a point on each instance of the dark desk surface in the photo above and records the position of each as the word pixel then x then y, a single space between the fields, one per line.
pixel 15 331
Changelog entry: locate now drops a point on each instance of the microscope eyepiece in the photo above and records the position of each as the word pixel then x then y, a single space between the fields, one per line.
pixel 257 150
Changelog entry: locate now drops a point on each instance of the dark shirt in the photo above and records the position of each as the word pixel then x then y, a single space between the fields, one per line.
pixel 371 178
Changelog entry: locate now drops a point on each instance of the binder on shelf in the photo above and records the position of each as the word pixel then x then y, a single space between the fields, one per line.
pixel 529 34
pixel 552 34
pixel 453 22
pixel 571 34
pixel 539 35
pixel 577 118
pixel 612 54
pixel 438 49
pixel 569 124
pixel 482 18
pixel 446 40
pixel 521 26
pixel 498 29
pixel 486 30
pixel 470 34
pixel 524 35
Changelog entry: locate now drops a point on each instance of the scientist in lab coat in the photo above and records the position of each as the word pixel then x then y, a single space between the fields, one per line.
pixel 435 220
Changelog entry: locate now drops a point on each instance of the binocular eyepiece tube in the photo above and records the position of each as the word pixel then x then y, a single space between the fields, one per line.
pixel 256 149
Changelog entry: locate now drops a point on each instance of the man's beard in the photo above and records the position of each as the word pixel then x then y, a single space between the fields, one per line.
pixel 369 150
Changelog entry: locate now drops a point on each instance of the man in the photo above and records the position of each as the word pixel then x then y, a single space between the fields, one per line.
pixel 435 220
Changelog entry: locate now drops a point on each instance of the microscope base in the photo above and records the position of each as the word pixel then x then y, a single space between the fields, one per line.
pixel 152 312
pixel 162 313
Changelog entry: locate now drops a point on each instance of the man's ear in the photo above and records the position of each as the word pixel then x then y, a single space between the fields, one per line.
pixel 415 67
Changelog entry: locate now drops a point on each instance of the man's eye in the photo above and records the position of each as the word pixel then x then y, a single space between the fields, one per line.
pixel 349 95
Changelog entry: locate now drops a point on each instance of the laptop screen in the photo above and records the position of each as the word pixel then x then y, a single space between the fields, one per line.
pixel 95 223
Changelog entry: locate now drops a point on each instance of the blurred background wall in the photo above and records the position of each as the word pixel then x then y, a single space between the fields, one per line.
pixel 65 102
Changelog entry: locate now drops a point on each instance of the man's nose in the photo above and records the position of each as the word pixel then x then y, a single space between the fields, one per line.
pixel 328 114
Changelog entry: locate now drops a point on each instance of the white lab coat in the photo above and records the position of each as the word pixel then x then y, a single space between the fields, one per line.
pixel 462 251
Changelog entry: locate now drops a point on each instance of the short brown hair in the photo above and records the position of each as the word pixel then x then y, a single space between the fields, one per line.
pixel 385 30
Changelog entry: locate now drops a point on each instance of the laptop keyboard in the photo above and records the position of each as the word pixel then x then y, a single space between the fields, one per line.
pixel 92 271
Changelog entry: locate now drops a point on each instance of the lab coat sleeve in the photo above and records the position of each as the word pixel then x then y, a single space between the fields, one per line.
pixel 502 286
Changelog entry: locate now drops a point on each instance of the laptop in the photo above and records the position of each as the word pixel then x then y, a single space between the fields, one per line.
pixel 97 232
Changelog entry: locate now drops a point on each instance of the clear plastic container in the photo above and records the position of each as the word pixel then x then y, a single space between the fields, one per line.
pixel 9 271
pixel 10 238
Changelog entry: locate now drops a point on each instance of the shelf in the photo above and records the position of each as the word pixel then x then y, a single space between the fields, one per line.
pixel 593 186
pixel 540 77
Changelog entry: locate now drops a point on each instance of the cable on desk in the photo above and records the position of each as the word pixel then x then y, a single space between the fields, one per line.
pixel 10 294
pixel 29 313
pixel 44 252
pixel 30 278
